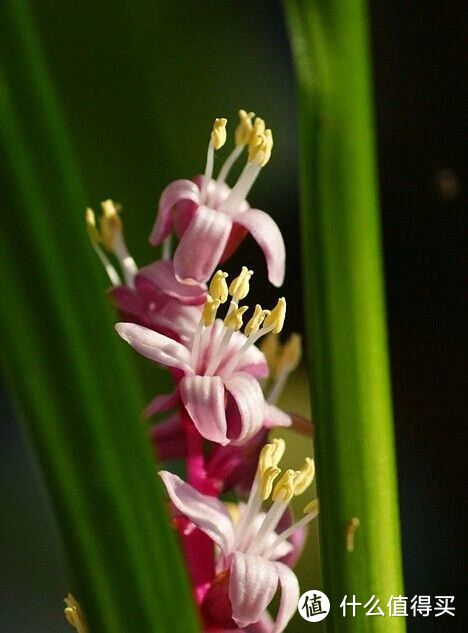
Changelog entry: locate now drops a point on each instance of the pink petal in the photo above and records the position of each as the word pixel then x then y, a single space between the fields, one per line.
pixel 289 596
pixel 208 513
pixel 276 417
pixel 177 320
pixel 200 249
pixel 169 439
pixel 175 192
pixel 162 275
pixel 252 585
pixel 266 233
pixel 246 414
pixel 203 397
pixel 154 346
pixel 162 403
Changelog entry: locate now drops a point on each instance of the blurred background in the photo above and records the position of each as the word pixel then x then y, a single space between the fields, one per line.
pixel 139 85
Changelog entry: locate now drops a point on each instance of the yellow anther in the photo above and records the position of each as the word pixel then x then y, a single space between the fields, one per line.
pixel 280 447
pixel 244 130
pixel 275 319
pixel 218 286
pixel 266 482
pixel 218 135
pixel 240 286
pixel 93 232
pixel 234 320
pixel 271 454
pixel 290 355
pixel 74 614
pixel 257 319
pixel 209 311
pixel 258 129
pixel 270 347
pixel 111 224
pixel 260 148
pixel 284 489
pixel 312 507
pixel 304 477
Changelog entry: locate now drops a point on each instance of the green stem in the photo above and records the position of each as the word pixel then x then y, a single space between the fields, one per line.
pixel 345 309
pixel 74 383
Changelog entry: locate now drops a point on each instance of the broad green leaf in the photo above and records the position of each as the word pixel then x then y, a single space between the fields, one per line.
pixel 72 378
pixel 345 308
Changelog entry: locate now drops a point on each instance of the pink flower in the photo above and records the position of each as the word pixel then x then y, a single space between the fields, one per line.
pixel 211 219
pixel 249 567
pixel 220 367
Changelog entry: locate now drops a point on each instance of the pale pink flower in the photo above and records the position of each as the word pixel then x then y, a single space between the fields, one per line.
pixel 219 369
pixel 249 567
pixel 211 219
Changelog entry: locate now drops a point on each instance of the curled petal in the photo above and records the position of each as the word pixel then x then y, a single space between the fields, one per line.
pixel 289 596
pixel 202 245
pixel 252 585
pixel 266 233
pixel 208 513
pixel 276 417
pixel 161 274
pixel 175 192
pixel 154 346
pixel 246 414
pixel 203 397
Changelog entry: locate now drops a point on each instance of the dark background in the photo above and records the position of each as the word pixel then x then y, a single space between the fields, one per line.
pixel 235 54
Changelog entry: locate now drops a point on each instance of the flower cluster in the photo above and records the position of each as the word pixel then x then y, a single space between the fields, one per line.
pixel 184 314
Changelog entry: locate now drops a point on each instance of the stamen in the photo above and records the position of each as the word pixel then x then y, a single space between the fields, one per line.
pixel 240 286
pixel 95 238
pixel 266 482
pixel 271 454
pixel 74 614
pixel 242 137
pixel 284 489
pixel 217 140
pixel 270 347
pixel 286 362
pixel 218 135
pixel 311 511
pixel 218 286
pixel 209 311
pixel 260 148
pixel 275 320
pixel 257 319
pixel 233 321
pixel 304 477
pixel 113 240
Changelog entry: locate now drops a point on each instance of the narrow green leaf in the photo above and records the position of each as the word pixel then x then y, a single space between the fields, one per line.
pixel 345 308
pixel 71 376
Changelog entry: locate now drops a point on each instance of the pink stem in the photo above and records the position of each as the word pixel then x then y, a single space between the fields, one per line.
pixel 198 547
